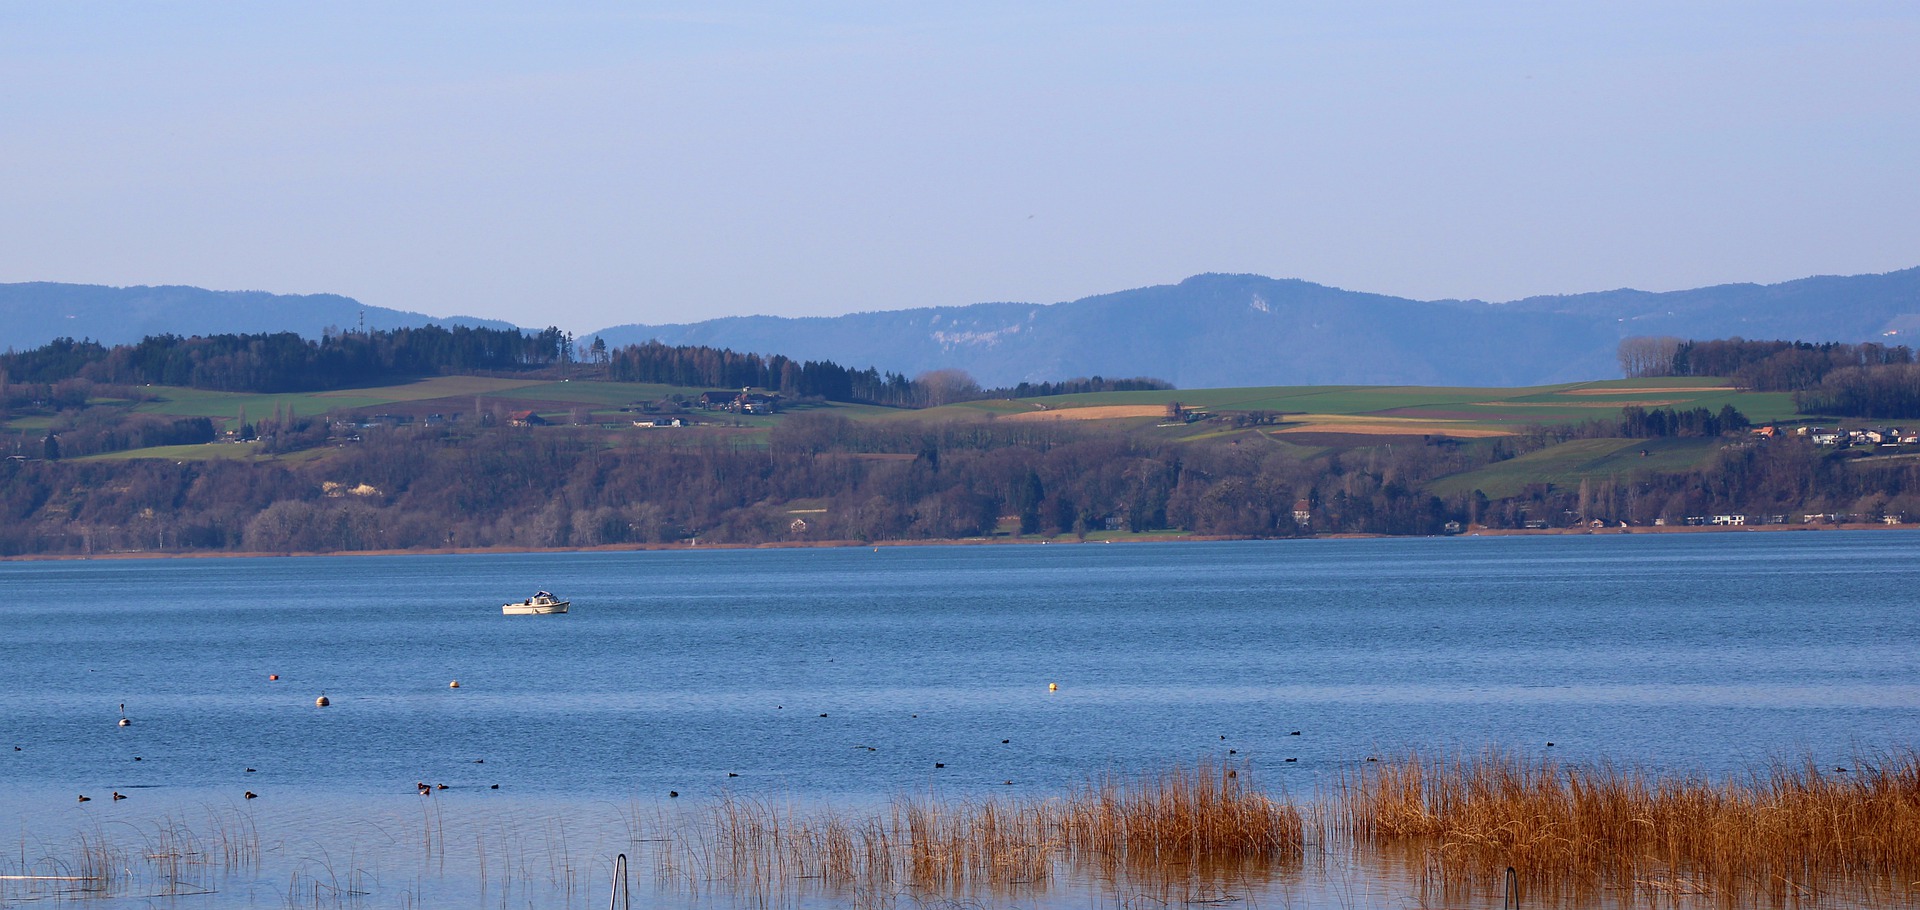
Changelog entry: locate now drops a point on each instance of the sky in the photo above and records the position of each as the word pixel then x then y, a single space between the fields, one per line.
pixel 594 164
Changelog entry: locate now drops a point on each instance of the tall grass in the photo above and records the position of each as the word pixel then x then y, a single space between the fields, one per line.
pixel 1785 833
pixel 1189 821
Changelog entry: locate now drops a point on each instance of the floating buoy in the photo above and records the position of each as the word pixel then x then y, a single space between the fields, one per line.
pixel 321 702
pixel 273 676
pixel 125 722
pixel 454 685
pixel 1053 687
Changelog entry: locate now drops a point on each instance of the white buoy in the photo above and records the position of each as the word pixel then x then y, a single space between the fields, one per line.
pixel 454 685
pixel 1053 687
pixel 321 702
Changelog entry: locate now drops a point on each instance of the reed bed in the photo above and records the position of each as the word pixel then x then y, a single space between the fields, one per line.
pixel 1150 830
pixel 1791 835
pixel 1784 834
pixel 1180 817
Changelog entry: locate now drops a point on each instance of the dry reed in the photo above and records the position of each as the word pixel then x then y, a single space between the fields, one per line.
pixel 1177 825
pixel 1783 834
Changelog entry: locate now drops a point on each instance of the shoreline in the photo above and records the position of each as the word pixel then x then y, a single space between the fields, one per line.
pixel 952 542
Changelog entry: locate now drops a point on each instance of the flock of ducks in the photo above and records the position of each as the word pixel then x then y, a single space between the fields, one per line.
pixel 425 789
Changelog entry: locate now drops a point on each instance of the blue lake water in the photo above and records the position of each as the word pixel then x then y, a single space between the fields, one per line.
pixel 844 676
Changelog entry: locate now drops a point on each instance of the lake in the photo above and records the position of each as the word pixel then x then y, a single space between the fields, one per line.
pixel 842 678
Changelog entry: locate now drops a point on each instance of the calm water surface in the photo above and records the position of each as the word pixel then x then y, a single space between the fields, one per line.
pixel 843 676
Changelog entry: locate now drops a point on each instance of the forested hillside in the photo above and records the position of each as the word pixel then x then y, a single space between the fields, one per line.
pixel 489 438
pixel 824 478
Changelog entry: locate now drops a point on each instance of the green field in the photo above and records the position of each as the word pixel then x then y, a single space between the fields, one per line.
pixel 1314 419
pixel 1570 462
pixel 1426 410
pixel 1465 408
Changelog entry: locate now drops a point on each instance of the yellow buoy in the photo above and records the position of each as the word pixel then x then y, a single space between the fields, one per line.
pixel 454 685
pixel 1053 687
pixel 321 702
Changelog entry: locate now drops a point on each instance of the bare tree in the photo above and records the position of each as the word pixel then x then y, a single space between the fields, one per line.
pixel 937 387
pixel 1647 355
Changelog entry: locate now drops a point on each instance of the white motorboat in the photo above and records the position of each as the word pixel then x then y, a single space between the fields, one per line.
pixel 542 602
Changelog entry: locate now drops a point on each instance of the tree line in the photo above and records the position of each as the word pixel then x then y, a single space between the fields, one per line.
pixel 286 362
pixel 1764 366
pixel 1869 380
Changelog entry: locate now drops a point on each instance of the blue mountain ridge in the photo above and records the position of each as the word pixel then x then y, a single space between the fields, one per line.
pixel 1217 330
pixel 34 313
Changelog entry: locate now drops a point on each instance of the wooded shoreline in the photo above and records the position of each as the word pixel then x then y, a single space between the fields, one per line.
pixel 953 542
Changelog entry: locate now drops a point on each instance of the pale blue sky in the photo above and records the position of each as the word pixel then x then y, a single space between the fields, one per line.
pixel 590 164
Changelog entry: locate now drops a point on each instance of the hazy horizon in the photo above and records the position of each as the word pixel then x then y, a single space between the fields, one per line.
pixel 599 164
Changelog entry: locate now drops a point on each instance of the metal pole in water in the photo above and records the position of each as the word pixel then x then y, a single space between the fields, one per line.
pixel 1512 899
pixel 621 896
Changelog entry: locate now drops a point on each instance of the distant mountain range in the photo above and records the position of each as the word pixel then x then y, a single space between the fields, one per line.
pixel 1213 331
pixel 1206 331
pixel 34 313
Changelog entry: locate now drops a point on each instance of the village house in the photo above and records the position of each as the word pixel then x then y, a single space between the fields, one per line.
pixel 525 419
pixel 745 401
